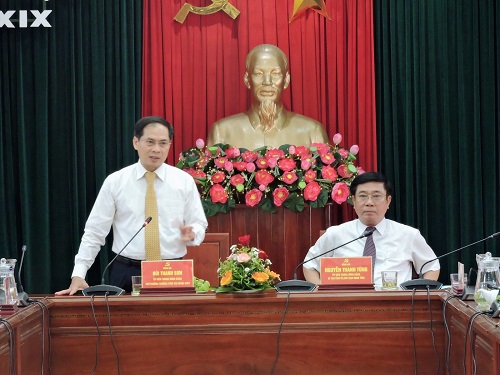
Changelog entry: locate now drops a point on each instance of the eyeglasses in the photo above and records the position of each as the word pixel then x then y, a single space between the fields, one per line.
pixel 374 197
pixel 151 143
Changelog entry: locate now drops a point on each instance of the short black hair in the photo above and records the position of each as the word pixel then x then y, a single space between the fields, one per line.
pixel 371 177
pixel 145 121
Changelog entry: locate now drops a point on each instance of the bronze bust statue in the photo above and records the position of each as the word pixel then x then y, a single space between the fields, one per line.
pixel 266 122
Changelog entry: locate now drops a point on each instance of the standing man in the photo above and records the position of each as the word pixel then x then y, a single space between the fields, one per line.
pixel 266 122
pixel 397 246
pixel 123 203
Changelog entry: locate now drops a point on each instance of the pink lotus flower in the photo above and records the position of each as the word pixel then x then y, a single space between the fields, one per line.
pixel 228 166
pixel 354 149
pixel 219 162
pixel 233 152
pixel 250 167
pixel 289 177
pixel 200 143
pixel 312 191
pixel 280 195
pixel 329 173
pixel 340 192
pixel 253 197
pixel 337 138
pixel 218 194
pixel 263 177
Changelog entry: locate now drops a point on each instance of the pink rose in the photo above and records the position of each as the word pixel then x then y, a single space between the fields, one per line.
pixel 243 258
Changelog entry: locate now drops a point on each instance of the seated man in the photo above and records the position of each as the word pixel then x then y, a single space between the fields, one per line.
pixel 266 122
pixel 397 246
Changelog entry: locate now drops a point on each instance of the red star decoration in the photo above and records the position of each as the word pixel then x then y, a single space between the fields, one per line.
pixel 300 6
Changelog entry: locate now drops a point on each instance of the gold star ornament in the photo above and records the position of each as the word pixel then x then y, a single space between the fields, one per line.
pixel 300 6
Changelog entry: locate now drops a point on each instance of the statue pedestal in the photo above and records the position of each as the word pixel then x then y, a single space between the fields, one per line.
pixel 285 236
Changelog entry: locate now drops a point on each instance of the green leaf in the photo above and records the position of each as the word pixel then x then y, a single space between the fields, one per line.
pixel 351 168
pixel 267 205
pixel 320 201
pixel 294 203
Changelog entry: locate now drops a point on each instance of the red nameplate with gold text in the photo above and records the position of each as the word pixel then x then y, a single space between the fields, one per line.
pixel 340 271
pixel 167 274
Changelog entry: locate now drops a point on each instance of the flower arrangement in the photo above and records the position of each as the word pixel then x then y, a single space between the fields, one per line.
pixel 246 268
pixel 288 176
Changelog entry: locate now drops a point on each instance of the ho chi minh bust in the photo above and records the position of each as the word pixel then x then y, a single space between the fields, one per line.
pixel 266 122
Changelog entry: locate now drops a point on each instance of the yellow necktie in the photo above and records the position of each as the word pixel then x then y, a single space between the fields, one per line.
pixel 152 234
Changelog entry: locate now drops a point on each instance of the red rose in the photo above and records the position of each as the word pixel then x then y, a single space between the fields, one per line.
pixel 244 240
pixel 312 191
pixel 286 164
pixel 263 177
pixel 280 195
pixel 263 255
pixel 253 197
pixel 218 194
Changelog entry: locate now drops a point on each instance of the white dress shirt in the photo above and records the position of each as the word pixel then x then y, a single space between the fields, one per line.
pixel 397 245
pixel 121 204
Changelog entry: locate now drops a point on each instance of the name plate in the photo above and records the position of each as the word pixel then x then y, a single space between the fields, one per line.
pixel 167 274
pixel 343 271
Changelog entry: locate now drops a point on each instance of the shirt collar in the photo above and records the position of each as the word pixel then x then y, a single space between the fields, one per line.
pixel 380 226
pixel 161 171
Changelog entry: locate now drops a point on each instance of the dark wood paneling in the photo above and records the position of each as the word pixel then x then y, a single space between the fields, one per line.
pixel 206 256
pixel 323 333
pixel 285 236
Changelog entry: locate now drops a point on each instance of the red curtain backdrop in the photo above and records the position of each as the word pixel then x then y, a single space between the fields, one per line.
pixel 193 72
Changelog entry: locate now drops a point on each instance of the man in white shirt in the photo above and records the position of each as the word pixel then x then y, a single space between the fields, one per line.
pixel 398 246
pixel 121 204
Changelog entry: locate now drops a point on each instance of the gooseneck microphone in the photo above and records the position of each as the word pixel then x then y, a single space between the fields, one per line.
pixel 21 294
pixel 306 286
pixel 103 289
pixel 425 284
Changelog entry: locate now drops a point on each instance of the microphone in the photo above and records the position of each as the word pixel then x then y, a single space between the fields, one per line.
pixel 21 294
pixel 103 289
pixel 306 286
pixel 422 283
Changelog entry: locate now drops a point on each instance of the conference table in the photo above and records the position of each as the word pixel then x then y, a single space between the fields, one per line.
pixel 321 332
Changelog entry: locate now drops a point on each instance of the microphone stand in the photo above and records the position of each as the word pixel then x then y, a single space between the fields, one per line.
pixel 425 284
pixel 103 289
pixel 21 294
pixel 296 285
